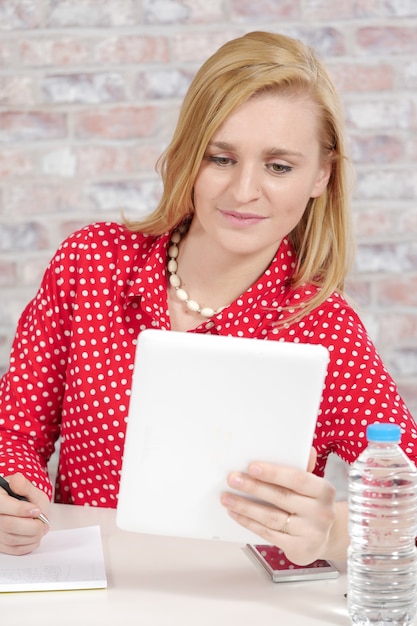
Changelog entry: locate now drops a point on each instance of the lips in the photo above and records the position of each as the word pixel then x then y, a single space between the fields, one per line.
pixel 246 219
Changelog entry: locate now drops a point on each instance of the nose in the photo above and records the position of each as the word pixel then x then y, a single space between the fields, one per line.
pixel 245 185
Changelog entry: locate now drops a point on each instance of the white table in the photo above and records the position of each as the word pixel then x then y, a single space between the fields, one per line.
pixel 161 581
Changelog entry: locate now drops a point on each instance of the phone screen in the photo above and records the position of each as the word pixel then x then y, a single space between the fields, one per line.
pixel 280 568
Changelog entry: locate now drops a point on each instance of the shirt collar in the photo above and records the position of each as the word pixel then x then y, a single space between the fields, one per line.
pixel 262 302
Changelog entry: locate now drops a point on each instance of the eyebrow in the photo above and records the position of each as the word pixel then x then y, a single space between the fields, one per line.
pixel 281 152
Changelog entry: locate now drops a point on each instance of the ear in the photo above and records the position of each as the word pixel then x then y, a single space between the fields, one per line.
pixel 322 179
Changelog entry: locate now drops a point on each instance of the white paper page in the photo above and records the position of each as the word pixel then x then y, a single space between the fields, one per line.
pixel 66 559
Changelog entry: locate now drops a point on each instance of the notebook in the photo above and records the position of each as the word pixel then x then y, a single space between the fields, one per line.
pixel 201 406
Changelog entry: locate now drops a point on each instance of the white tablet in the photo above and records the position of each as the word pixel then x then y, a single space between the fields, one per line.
pixel 201 406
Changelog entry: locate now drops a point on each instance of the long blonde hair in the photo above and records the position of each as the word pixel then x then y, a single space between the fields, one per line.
pixel 242 68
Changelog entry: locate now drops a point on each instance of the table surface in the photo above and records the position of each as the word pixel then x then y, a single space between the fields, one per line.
pixel 165 581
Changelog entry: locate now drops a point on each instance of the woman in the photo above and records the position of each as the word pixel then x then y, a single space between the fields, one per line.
pixel 251 238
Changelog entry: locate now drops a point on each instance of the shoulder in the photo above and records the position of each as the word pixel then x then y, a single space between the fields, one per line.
pixel 335 322
pixel 104 240
pixel 108 234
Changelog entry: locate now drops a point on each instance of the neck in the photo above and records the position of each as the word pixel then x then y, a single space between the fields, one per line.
pixel 214 274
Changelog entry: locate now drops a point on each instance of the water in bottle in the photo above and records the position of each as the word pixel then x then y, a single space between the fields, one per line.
pixel 382 556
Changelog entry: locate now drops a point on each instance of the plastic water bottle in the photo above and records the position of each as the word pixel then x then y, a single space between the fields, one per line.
pixel 382 556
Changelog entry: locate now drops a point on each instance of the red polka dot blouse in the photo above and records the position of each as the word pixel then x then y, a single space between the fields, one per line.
pixel 71 363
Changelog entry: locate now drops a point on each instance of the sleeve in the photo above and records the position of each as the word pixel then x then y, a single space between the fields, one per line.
pixel 358 389
pixel 31 391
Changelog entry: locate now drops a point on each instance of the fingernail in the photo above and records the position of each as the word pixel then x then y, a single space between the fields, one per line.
pixel 227 500
pixel 255 470
pixel 34 513
pixel 235 480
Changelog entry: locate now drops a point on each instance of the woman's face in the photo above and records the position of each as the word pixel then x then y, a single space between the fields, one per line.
pixel 258 173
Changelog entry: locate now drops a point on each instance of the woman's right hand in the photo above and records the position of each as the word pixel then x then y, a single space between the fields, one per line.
pixel 21 530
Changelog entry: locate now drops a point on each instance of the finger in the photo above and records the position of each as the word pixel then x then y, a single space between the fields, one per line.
pixel 17 508
pixel 292 545
pixel 312 460
pixel 17 545
pixel 291 479
pixel 285 499
pixel 19 535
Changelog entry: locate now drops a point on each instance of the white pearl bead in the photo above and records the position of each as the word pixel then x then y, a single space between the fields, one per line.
pixel 192 305
pixel 174 280
pixel 173 251
pixel 172 266
pixel 182 295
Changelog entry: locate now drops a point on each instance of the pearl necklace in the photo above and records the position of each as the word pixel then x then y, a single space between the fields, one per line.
pixel 175 280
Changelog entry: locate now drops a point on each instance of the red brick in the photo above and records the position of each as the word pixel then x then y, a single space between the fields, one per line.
pixel 355 77
pixel 58 162
pixel 32 126
pixel 381 114
pixel 371 223
pixel 359 292
pixel 15 163
pixel 41 198
pixel 382 258
pixel 32 270
pixel 63 51
pixel 138 197
pixel 247 10
pixel 115 123
pixel 16 90
pixel 402 361
pixel 131 49
pixel 340 10
pixel 376 148
pixel 22 237
pixel 8 273
pixel 6 52
pixel 163 83
pixel 145 156
pixel 103 160
pixel 386 185
pixel 388 40
pixel 91 13
pixel 408 391
pixel 399 290
pixel 398 328
pixel 20 14
pixel 67 227
pixel 189 46
pixel 184 12
pixel 408 75
pixel 91 88
pixel 327 41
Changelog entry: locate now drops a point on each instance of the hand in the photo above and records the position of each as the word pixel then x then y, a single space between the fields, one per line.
pixel 296 512
pixel 20 530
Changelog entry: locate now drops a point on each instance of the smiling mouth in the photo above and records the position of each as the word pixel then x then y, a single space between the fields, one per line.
pixel 244 217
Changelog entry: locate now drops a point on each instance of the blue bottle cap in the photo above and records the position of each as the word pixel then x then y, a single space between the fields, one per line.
pixel 381 431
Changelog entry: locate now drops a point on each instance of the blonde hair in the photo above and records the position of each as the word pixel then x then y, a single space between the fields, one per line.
pixel 257 63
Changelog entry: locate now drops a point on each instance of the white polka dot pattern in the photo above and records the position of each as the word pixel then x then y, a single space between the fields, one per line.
pixel 72 359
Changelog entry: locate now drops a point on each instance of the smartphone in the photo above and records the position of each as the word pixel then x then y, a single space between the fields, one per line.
pixel 280 569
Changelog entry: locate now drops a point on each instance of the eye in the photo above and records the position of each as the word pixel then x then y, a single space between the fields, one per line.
pixel 278 168
pixel 221 160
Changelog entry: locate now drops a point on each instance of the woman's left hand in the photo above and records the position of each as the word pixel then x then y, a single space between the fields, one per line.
pixel 296 512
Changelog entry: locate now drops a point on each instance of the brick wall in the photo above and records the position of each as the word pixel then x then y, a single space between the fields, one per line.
pixel 89 94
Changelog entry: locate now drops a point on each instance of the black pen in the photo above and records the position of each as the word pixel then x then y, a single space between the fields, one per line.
pixel 5 485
